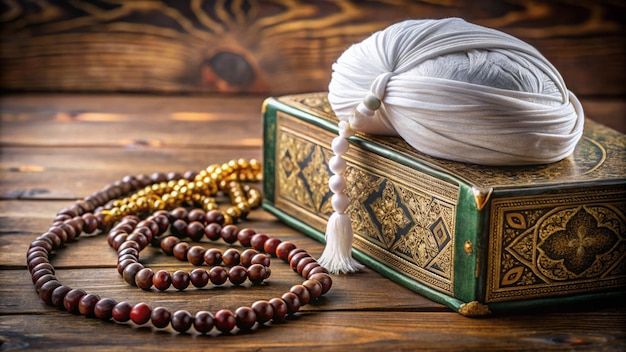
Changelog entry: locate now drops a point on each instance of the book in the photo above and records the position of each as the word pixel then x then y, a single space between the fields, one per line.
pixel 478 239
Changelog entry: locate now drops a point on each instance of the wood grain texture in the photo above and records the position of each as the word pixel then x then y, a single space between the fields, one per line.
pixel 90 145
pixel 398 331
pixel 273 47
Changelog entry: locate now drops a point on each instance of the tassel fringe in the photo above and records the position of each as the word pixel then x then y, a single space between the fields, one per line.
pixel 337 255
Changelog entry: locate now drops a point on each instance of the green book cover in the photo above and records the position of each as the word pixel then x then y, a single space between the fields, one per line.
pixel 478 239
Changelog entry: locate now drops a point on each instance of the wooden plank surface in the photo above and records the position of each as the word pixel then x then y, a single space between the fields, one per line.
pixel 39 176
pixel 275 46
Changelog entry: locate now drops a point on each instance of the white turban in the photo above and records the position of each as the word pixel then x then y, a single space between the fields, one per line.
pixel 459 91
pixel 452 90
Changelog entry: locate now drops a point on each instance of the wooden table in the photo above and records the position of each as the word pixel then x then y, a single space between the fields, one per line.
pixel 59 148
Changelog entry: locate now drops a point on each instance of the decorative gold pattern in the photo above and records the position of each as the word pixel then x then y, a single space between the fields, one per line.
pixel 409 224
pixel 481 196
pixel 557 244
pixel 558 241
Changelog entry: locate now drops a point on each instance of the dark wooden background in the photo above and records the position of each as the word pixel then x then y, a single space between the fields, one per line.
pixel 276 46
pixel 281 46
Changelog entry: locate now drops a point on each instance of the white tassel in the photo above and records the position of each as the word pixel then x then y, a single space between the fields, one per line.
pixel 337 255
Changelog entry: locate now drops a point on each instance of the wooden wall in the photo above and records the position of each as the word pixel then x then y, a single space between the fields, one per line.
pixel 279 46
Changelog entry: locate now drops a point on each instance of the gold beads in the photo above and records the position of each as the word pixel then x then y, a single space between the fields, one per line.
pixel 228 179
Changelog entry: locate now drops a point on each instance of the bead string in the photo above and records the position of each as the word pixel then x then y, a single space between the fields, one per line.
pixel 105 209
pixel 250 264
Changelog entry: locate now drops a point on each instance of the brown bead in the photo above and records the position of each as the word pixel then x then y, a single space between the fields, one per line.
pixel 173 176
pixel 263 310
pixel 294 252
pixel 130 271
pixel 262 259
pixel 129 244
pixel 178 228
pixel 87 304
pixel 127 256
pixel 118 240
pixel 70 230
pixel 295 259
pixel 292 301
pixel 34 261
pixel 179 213
pixel 203 322
pixel 146 231
pixel 199 277
pixel 180 279
pixel 237 275
pixel 160 317
pixel 212 257
pixel 314 287
pixel 104 308
pixel 280 309
pixel 59 232
pixel 225 320
pixel 180 250
pixel 316 270
pixel 42 280
pixel 54 238
pixel 141 240
pixel 77 225
pixel 58 295
pixel 302 263
pixel 143 278
pixel 246 318
pixel 37 274
pixel 212 231
pixel 162 280
pixel 303 294
pixel 140 313
pixel 46 290
pixel 90 223
pixel 42 243
pixel 257 273
pixel 167 244
pixel 198 215
pixel 152 225
pixel 218 275
pixel 195 230
pixel 231 257
pixel 246 257
pixel 41 267
pixel 215 216
pixel 244 236
pixel 258 241
pixel 121 312
pixel 195 255
pixel 229 233
pixel 122 264
pixel 182 320
pixel 48 242
pixel 307 268
pixel 72 300
pixel 323 279
pixel 271 245
pixel 46 245
pixel 162 221
pixel 131 251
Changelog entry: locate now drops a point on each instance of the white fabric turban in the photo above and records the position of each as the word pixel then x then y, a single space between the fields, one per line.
pixel 459 91
pixel 452 90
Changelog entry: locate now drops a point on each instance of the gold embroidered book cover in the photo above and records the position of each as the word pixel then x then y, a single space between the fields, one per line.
pixel 478 239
